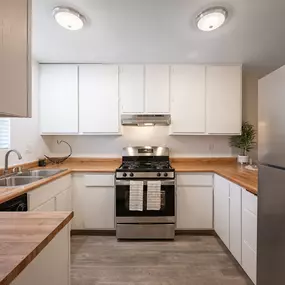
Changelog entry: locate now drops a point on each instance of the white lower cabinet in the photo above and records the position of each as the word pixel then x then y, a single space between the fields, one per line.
pixel 54 196
pixel 222 209
pixel 249 234
pixel 48 206
pixel 52 265
pixel 63 201
pixel 235 220
pixel 94 202
pixel 194 201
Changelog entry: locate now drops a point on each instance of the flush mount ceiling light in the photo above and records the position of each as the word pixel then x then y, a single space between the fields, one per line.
pixel 68 18
pixel 211 19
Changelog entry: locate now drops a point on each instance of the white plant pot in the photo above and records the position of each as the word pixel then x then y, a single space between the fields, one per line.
pixel 243 159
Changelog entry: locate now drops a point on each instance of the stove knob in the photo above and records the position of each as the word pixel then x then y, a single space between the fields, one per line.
pixel 131 174
pixel 165 174
pixel 158 174
pixel 125 174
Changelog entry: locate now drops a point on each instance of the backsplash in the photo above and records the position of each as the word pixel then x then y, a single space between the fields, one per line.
pixel 111 146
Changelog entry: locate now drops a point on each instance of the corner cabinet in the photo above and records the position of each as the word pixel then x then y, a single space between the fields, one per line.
pixel 223 99
pixel 15 59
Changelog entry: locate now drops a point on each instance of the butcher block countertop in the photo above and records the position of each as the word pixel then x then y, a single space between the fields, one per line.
pixel 229 170
pixel 226 167
pixel 23 236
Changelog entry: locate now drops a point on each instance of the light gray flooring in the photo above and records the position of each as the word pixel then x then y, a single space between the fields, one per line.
pixel 189 260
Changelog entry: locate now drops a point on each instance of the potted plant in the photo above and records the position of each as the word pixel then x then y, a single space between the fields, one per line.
pixel 245 141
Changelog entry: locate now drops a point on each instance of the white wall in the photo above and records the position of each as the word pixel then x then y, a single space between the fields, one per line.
pixel 25 132
pixel 111 146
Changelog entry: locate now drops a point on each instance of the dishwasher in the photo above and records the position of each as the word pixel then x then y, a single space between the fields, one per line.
pixel 18 204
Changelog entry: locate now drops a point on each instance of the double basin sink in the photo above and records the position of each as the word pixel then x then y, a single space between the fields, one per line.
pixel 27 177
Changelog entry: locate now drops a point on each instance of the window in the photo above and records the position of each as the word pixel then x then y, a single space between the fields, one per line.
pixel 4 133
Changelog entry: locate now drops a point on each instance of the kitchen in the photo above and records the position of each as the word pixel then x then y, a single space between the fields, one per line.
pixel 148 96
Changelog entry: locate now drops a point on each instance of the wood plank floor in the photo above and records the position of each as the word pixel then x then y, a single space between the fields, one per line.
pixel 189 260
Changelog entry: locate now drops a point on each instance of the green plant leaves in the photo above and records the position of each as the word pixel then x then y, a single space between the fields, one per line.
pixel 246 141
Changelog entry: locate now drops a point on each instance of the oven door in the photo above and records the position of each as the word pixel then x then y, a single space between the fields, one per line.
pixel 166 214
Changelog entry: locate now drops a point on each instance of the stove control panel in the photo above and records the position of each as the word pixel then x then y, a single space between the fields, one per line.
pixel 145 175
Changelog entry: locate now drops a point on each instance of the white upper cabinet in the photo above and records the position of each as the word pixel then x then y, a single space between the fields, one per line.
pixel 98 99
pixel 15 60
pixel 131 88
pixel 58 98
pixel 188 99
pixel 157 89
pixel 224 99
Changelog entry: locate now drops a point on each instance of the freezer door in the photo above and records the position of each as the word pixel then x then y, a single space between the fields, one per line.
pixel 271 118
pixel 271 226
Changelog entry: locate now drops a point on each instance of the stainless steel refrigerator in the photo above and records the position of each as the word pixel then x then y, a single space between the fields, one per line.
pixel 271 179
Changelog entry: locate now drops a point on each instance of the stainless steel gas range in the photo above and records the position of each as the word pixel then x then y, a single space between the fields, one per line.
pixel 145 194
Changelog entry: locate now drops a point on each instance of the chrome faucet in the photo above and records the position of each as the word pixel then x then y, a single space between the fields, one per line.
pixel 7 157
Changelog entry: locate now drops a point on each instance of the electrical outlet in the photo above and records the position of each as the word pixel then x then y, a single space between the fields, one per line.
pixel 29 149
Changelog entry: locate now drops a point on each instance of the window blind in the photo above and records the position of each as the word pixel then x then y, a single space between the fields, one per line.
pixel 4 133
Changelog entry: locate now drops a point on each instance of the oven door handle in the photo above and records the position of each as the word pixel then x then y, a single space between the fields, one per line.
pixel 127 182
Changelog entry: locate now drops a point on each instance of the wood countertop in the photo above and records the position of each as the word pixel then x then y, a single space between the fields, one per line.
pixel 23 236
pixel 226 167
pixel 247 179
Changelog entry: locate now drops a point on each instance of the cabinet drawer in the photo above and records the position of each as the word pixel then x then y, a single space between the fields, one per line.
pixel 199 179
pixel 44 193
pixel 249 262
pixel 99 180
pixel 249 201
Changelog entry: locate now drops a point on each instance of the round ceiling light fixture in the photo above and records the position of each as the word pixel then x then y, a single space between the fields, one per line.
pixel 68 18
pixel 211 19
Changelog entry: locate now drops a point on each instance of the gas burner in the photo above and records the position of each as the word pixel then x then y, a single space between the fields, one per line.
pixel 145 163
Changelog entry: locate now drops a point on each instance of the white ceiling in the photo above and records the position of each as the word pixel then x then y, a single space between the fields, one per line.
pixel 136 31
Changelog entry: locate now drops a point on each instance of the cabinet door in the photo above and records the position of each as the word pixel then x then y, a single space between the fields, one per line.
pixel 157 89
pixel 98 99
pixel 249 234
pixel 224 99
pixel 63 201
pixel 235 221
pixel 58 98
pixel 194 207
pixel 131 86
pixel 48 206
pixel 15 59
pixel 222 209
pixel 187 99
pixel 94 208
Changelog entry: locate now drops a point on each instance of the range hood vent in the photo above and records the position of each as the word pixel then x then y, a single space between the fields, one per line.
pixel 145 120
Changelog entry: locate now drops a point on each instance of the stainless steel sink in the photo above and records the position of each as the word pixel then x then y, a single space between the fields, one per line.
pixel 27 177
pixel 40 172
pixel 17 181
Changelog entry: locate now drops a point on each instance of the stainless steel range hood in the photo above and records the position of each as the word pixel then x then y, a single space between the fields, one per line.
pixel 145 120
